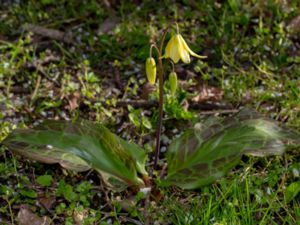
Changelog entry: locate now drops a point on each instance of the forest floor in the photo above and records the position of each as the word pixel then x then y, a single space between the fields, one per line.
pixel 85 59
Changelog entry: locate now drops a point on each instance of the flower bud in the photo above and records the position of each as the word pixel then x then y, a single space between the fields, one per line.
pixel 151 70
pixel 173 82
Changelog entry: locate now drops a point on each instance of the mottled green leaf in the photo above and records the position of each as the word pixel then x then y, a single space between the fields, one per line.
pixel 207 152
pixel 81 145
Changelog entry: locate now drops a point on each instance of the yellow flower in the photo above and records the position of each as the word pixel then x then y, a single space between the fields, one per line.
pixel 151 70
pixel 178 49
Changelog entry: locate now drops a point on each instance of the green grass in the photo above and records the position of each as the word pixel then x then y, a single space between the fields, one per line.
pixel 247 199
pixel 252 56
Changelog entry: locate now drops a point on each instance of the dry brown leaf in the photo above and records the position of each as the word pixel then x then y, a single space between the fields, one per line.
pixel 27 217
pixel 73 100
pixel 147 90
pixel 108 25
pixel 208 93
pixel 294 25
pixel 47 202
pixel 80 216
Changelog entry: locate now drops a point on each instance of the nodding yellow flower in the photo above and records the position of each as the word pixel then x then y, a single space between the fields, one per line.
pixel 151 70
pixel 173 82
pixel 177 49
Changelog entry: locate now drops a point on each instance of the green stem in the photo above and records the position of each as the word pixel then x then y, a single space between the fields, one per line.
pixel 161 98
pixel 10 210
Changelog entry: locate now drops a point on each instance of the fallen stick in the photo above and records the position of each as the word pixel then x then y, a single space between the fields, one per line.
pixel 49 33
pixel 148 104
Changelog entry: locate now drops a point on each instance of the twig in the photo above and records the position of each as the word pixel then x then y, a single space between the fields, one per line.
pixel 37 86
pixel 38 66
pixel 10 210
pixel 46 60
pixel 19 90
pixel 163 170
pixel 146 207
pixel 224 111
pixel 150 104
pixel 128 219
pixel 50 33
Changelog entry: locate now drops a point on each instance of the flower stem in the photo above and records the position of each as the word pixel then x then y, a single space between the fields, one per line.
pixel 161 98
pixel 160 111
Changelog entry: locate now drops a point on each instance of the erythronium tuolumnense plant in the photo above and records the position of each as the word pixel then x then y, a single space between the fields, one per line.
pixel 176 49
pixel 198 157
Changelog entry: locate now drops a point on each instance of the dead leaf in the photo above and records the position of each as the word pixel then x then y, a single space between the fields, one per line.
pixel 79 216
pixel 294 25
pixel 47 202
pixel 208 93
pixel 73 100
pixel 127 204
pixel 27 217
pixel 147 90
pixel 108 25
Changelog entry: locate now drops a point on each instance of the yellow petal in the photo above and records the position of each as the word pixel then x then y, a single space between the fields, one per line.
pixel 167 50
pixel 184 54
pixel 186 47
pixel 174 50
pixel 171 50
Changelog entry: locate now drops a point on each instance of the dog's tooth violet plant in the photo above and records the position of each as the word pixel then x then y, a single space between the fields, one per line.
pixel 175 50
pixel 201 155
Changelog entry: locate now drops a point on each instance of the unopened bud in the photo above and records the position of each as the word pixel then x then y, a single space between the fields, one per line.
pixel 151 70
pixel 173 82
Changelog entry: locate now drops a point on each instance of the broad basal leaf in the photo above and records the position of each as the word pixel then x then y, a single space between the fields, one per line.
pixel 207 152
pixel 80 146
